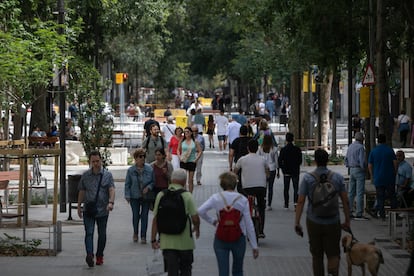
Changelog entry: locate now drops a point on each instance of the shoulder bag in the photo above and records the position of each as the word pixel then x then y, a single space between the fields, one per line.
pixel 91 207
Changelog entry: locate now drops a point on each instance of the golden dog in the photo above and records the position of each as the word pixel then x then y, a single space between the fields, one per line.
pixel 358 254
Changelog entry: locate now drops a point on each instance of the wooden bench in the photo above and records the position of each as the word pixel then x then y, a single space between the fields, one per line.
pixel 306 144
pixel 119 135
pixel 19 216
pixel 15 175
pixel 43 141
pixel 394 229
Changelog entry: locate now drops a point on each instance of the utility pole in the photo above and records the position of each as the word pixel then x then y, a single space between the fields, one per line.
pixel 62 108
pixel 371 87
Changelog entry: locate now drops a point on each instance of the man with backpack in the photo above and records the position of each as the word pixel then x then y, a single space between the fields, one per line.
pixel 147 125
pixel 175 220
pixel 152 142
pixel 323 187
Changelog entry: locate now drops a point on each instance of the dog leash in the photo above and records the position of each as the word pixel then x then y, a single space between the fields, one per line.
pixel 353 241
pixel 348 230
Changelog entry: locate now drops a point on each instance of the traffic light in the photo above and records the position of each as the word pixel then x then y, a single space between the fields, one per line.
pixel 125 77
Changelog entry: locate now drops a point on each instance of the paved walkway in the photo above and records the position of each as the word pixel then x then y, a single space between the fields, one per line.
pixel 281 253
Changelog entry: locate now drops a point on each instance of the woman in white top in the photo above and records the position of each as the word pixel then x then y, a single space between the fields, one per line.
pixel 222 249
pixel 403 126
pixel 269 153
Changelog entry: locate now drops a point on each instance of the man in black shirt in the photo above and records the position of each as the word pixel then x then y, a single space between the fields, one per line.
pixel 238 149
pixel 147 126
pixel 290 159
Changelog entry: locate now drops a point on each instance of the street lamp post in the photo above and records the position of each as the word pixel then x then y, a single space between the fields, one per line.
pixel 371 87
pixel 62 107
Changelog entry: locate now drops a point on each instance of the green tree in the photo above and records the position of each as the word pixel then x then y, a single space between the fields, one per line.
pixel 26 63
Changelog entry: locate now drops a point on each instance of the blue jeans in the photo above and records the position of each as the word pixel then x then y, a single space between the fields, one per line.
pixel 222 250
pixel 139 210
pixel 286 182
pixel 270 181
pixel 357 187
pixel 89 223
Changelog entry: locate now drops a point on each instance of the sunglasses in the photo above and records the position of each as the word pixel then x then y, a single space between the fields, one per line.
pixel 141 156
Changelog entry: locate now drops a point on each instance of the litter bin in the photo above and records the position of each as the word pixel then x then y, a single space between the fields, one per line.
pixel 73 182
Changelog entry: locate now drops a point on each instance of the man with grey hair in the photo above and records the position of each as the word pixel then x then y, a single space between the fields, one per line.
pixel 177 249
pixel 355 161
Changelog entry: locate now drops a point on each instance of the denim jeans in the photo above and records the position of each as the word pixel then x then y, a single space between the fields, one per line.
pixel 139 210
pixel 223 249
pixel 357 188
pixel 270 181
pixel 89 223
pixel 286 182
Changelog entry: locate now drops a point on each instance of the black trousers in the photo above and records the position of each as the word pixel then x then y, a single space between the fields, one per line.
pixel 178 262
pixel 260 194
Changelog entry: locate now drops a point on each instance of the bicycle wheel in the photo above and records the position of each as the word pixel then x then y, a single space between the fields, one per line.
pixel 256 224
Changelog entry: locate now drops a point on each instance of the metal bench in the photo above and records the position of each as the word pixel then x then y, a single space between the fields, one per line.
pixel 394 228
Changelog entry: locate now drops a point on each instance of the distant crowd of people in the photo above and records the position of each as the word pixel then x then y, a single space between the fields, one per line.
pixel 169 165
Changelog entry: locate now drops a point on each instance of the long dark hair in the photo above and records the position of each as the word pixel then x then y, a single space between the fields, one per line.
pixel 267 143
pixel 192 136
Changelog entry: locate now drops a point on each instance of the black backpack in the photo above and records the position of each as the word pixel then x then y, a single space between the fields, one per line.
pixel 171 215
pixel 324 195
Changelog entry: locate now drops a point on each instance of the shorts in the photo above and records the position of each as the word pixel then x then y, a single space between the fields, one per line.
pixel 188 166
pixel 210 131
pixel 324 238
pixel 221 137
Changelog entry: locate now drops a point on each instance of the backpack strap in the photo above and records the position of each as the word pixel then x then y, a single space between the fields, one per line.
pixel 148 140
pixel 169 129
pixel 226 206
pixel 225 201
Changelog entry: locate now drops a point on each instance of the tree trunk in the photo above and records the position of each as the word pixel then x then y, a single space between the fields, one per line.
pixel 384 117
pixel 335 92
pixel 39 117
pixel 325 95
pixel 295 104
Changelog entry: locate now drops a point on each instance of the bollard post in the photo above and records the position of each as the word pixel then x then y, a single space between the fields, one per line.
pixel 57 236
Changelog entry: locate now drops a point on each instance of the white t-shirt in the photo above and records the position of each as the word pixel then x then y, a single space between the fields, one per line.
pixel 221 123
pixel 253 171
pixel 262 108
pixel 233 131
pixel 403 119
pixel 270 157
pixel 168 130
